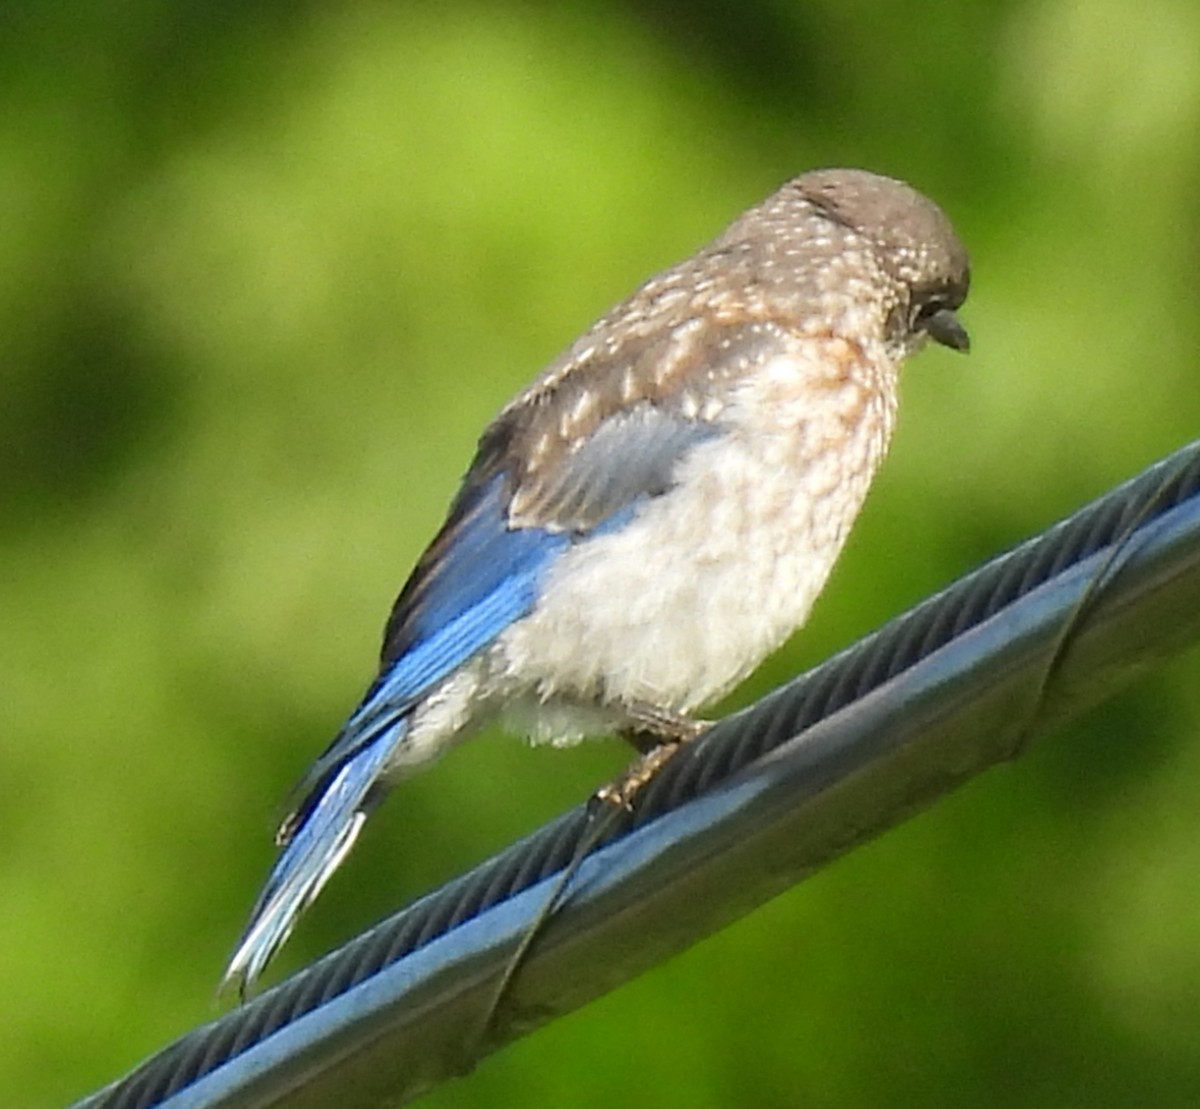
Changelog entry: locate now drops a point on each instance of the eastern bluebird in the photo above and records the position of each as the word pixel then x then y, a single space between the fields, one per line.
pixel 654 514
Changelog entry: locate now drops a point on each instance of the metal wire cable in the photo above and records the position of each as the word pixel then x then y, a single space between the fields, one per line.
pixel 729 746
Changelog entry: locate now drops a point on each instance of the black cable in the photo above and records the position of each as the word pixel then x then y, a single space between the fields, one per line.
pixel 729 746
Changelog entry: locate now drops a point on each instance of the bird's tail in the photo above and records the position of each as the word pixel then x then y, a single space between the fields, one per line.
pixel 314 841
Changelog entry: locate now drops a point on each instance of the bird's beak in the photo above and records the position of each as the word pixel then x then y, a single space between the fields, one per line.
pixel 944 327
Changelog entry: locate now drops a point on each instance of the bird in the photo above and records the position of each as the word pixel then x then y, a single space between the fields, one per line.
pixel 653 515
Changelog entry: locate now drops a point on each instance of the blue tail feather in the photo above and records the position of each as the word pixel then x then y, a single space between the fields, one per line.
pixel 317 846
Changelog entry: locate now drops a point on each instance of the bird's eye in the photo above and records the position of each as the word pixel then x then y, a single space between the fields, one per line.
pixel 929 306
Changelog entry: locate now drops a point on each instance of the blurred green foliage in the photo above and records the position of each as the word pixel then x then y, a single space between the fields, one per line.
pixel 266 270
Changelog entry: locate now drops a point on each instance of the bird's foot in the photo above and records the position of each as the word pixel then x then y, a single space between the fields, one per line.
pixel 657 734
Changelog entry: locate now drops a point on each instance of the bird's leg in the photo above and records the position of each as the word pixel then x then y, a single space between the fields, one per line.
pixel 657 733
pixel 650 726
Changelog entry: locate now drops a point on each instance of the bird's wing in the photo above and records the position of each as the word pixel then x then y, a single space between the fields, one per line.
pixel 561 462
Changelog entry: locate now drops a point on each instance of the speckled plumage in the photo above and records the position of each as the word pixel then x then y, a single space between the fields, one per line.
pixel 656 512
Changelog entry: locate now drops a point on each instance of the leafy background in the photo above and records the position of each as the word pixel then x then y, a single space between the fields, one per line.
pixel 265 271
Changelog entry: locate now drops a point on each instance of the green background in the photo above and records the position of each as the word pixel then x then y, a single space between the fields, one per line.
pixel 265 272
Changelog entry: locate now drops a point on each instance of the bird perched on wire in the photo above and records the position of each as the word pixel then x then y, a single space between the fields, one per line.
pixel 654 514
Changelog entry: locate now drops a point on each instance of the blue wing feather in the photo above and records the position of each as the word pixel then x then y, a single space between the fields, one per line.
pixel 478 576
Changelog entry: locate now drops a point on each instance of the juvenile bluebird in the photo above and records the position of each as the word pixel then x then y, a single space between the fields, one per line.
pixel 653 515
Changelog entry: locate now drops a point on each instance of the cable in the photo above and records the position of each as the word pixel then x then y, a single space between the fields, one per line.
pixel 229 1057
